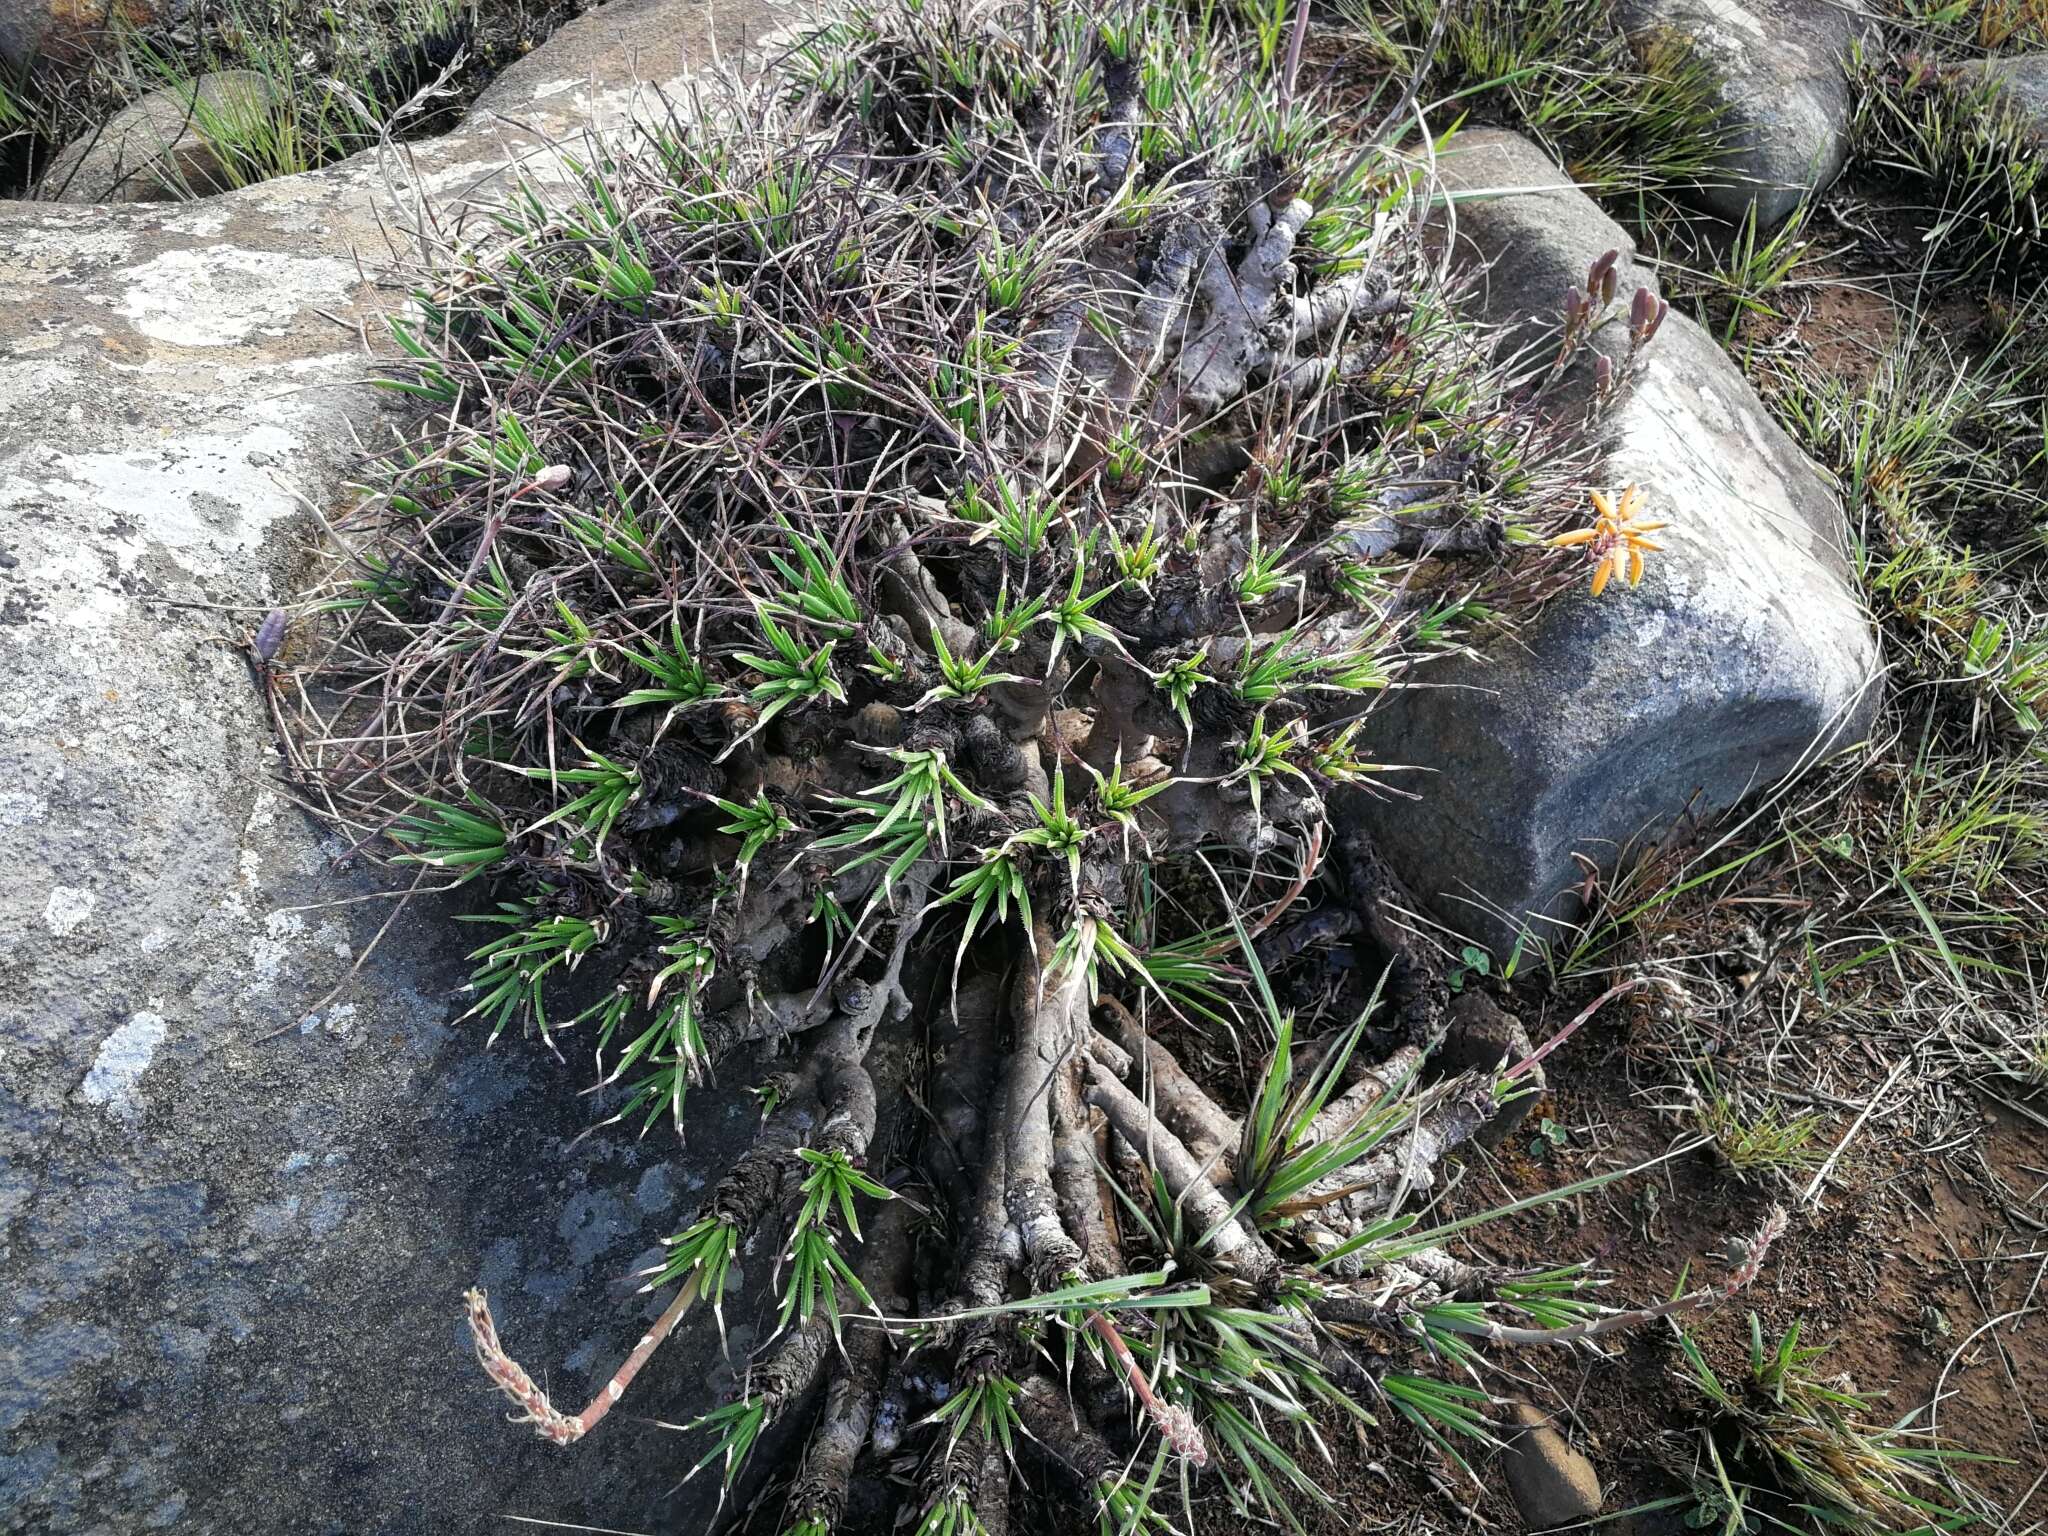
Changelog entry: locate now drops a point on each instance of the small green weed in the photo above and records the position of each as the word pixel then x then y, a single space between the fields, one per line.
pixel 1758 1140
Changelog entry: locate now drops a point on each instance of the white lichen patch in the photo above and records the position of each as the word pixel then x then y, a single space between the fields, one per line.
pixel 201 221
pixel 68 909
pixel 26 383
pixel 1737 17
pixel 66 241
pixel 221 296
pixel 18 808
pixel 201 496
pixel 465 175
pixel 270 952
pixel 339 1021
pixel 118 1067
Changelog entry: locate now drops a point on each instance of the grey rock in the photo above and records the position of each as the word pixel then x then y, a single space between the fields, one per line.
pixel 59 30
pixel 1777 69
pixel 1552 1484
pixel 2022 81
pixel 165 145
pixel 232 1265
pixel 21 36
pixel 1609 720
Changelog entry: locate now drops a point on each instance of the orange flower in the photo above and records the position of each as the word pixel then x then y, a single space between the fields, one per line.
pixel 1615 540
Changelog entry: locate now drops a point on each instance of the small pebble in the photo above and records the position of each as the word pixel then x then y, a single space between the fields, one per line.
pixel 1552 1483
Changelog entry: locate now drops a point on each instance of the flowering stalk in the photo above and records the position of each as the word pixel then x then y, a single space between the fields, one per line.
pixel 1175 1423
pixel 1692 1301
pixel 1646 313
pixel 1753 1261
pixel 1616 540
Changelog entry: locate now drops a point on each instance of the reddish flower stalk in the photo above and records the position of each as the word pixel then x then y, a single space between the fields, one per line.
pixel 1527 1062
pixel 1753 1261
pixel 1175 1423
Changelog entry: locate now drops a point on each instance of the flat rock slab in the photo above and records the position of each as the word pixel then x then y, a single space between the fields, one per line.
pixel 233 1265
pixel 1777 69
pixel 1608 719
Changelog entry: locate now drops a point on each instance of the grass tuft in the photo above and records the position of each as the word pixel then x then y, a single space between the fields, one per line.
pixel 1785 1446
pixel 1637 125
pixel 1953 140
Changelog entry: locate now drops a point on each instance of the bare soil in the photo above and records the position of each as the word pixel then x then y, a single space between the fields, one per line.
pixel 1917 1269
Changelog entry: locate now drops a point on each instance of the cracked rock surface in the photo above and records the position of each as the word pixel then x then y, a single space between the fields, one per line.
pixel 232 1267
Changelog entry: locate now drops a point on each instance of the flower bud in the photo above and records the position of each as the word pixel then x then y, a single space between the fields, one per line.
pixel 1609 281
pixel 1640 308
pixel 270 634
pixel 553 478
pixel 1603 373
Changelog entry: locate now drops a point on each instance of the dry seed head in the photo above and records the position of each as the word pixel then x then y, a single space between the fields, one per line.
pixel 1183 1433
pixel 1753 1261
pixel 510 1377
